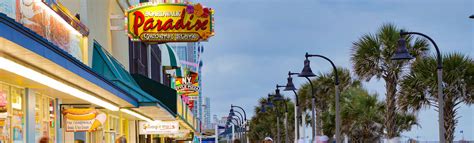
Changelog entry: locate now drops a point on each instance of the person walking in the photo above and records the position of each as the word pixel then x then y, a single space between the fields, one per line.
pixel 44 140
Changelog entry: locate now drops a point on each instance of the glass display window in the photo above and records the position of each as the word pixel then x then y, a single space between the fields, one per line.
pixel 12 118
pixel 113 128
pixel 45 118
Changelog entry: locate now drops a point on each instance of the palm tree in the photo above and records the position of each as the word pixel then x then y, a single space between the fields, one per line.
pixel 263 125
pixel 419 87
pixel 324 84
pixel 362 117
pixel 371 58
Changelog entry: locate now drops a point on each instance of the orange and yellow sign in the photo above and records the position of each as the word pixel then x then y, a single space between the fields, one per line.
pixel 83 119
pixel 162 23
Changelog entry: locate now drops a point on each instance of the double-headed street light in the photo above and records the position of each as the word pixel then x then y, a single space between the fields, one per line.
pixel 402 54
pixel 307 72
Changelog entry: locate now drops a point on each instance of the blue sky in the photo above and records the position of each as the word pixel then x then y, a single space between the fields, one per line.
pixel 257 42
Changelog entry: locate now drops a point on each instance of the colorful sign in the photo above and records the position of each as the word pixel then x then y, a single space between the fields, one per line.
pixel 158 127
pixel 188 85
pixel 160 23
pixel 83 119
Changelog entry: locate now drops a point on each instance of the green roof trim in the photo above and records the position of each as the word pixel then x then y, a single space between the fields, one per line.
pixel 172 58
pixel 104 64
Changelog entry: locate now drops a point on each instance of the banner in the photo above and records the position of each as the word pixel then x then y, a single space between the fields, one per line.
pixel 160 23
pixel 44 21
pixel 158 127
pixel 83 119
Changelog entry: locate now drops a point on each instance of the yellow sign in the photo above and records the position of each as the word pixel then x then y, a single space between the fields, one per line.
pixel 162 23
pixel 83 119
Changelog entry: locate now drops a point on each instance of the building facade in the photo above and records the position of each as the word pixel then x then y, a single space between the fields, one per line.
pixel 70 73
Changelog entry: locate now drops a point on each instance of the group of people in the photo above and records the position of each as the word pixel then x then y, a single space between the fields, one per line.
pixel 120 139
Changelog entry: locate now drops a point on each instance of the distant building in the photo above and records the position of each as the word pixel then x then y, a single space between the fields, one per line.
pixel 207 113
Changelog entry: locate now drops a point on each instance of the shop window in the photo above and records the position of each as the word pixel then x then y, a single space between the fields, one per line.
pixel 138 58
pixel 114 128
pixel 12 119
pixel 155 63
pixel 45 117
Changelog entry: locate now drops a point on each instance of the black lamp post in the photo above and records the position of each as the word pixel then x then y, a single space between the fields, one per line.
pixel 307 72
pixel 402 54
pixel 285 121
pixel 234 125
pixel 240 114
pixel 291 87
pixel 232 114
pixel 237 126
pixel 245 125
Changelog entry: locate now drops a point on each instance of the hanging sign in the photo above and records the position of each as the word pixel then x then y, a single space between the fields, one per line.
pixel 160 23
pixel 83 120
pixel 188 85
pixel 158 127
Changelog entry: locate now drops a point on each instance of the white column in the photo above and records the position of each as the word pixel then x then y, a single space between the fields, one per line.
pixel 216 133
pixel 303 125
pixel 233 133
pixel 296 123
pixel 59 131
pixel 30 116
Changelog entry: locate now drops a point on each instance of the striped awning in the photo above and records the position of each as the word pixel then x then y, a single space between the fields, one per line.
pixel 169 59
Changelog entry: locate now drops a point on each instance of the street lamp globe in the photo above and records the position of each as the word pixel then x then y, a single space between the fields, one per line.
pixel 289 85
pixel 278 96
pixel 402 52
pixel 307 72
pixel 269 102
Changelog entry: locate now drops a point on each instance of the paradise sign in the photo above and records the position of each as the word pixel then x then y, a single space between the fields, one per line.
pixel 160 23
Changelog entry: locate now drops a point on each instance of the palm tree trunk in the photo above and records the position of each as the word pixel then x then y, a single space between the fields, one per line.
pixel 390 115
pixel 319 122
pixel 449 120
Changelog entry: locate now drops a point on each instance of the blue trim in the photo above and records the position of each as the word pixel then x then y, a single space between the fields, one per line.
pixel 28 39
